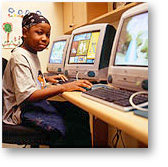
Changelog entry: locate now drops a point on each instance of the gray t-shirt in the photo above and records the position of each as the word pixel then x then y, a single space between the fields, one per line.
pixel 20 80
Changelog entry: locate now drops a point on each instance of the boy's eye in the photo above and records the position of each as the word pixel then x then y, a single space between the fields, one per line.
pixel 48 35
pixel 39 32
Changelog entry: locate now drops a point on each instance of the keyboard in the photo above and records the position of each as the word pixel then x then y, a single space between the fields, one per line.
pixel 116 98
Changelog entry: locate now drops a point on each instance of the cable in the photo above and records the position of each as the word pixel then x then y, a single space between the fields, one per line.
pixel 116 137
pixel 77 75
pixel 24 146
pixel 134 105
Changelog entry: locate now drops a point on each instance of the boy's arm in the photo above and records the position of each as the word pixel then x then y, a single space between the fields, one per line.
pixel 42 94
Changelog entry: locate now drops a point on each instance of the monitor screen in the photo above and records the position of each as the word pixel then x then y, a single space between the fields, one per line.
pixel 132 47
pixel 83 48
pixel 56 55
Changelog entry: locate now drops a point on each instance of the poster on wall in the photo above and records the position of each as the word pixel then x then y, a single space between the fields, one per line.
pixel 11 26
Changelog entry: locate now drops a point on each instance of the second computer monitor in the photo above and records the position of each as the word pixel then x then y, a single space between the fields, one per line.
pixel 58 54
pixel 89 52
pixel 128 67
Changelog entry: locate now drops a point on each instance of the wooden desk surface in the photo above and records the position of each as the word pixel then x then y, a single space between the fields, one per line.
pixel 133 125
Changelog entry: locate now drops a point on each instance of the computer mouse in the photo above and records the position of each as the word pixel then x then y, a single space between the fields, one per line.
pixel 95 86
pixel 87 89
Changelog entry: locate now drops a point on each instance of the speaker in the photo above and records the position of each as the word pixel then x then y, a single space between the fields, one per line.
pixel 110 79
pixel 145 84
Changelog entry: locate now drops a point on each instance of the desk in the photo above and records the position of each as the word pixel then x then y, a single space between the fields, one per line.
pixel 133 125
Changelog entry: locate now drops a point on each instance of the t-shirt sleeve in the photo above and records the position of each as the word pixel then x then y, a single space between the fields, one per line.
pixel 24 82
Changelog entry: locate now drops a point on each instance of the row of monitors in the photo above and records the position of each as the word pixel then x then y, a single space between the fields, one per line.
pixel 100 53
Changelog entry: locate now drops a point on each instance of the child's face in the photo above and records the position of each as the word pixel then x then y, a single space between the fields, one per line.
pixel 37 37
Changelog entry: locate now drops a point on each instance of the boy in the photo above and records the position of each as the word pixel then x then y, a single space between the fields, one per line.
pixel 25 93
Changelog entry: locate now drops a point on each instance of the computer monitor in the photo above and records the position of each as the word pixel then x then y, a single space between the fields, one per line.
pixel 89 52
pixel 128 67
pixel 58 53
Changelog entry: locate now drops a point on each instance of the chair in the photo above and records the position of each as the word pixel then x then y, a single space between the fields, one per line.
pixel 19 134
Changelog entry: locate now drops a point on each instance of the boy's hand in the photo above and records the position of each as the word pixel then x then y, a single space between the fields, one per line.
pixel 54 79
pixel 77 85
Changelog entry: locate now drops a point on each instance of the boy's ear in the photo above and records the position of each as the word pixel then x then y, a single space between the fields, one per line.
pixel 24 32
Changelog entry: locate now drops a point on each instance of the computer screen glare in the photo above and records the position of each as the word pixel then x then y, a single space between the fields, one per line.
pixel 132 49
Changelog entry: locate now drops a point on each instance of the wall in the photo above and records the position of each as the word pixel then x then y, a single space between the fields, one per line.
pixel 53 11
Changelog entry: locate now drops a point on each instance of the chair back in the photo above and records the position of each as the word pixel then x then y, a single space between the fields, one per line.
pixel 4 63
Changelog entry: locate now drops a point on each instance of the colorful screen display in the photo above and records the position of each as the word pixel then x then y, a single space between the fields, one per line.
pixel 132 46
pixel 57 52
pixel 83 49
